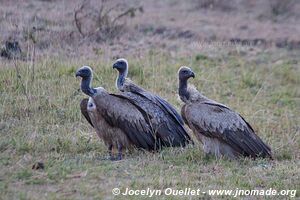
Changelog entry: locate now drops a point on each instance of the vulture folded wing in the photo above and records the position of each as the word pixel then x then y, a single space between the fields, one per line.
pixel 170 109
pixel 158 100
pixel 84 112
pixel 171 126
pixel 218 121
pixel 119 112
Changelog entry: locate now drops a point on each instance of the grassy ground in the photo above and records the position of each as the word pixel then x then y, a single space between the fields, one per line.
pixel 40 120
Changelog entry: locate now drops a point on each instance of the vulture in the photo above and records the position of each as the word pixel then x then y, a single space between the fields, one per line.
pixel 117 121
pixel 222 131
pixel 166 123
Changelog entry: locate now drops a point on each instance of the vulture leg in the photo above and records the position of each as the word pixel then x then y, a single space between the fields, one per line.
pixel 111 157
pixel 119 156
pixel 119 152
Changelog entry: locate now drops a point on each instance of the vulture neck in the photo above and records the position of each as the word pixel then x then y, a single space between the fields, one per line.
pixel 86 86
pixel 121 79
pixel 183 91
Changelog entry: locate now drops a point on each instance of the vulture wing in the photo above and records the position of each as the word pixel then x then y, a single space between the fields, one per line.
pixel 166 124
pixel 158 100
pixel 119 112
pixel 84 112
pixel 218 121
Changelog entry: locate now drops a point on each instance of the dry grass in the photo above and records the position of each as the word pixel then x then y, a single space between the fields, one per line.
pixel 40 120
pixel 49 128
pixel 102 22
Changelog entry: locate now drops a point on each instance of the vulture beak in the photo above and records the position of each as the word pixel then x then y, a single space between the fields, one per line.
pixel 193 74
pixel 78 73
pixel 115 65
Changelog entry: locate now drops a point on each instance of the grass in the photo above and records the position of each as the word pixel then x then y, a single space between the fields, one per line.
pixel 41 121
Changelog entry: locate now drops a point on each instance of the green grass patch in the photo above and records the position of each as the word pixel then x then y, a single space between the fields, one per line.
pixel 40 120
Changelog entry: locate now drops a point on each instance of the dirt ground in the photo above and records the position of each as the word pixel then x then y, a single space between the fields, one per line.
pixel 173 26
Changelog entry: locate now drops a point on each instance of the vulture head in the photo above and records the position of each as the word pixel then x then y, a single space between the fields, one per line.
pixel 86 73
pixel 121 65
pixel 184 73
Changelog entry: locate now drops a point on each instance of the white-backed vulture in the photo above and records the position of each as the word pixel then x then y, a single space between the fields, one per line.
pixel 166 122
pixel 118 122
pixel 222 131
